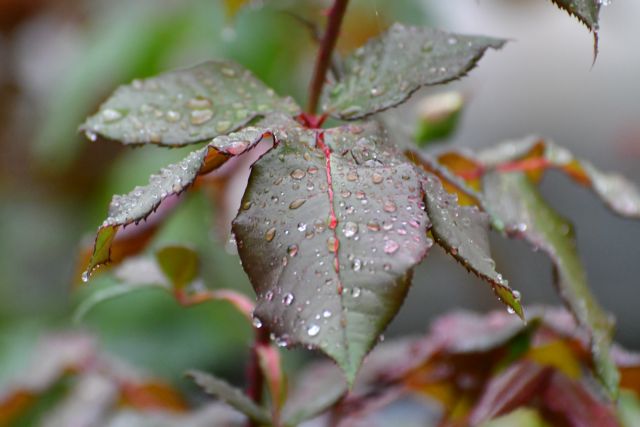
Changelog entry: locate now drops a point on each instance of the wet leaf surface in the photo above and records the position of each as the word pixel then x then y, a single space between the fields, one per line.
pixel 389 68
pixel 463 232
pixel 514 199
pixel 186 106
pixel 587 12
pixel 328 234
pixel 171 180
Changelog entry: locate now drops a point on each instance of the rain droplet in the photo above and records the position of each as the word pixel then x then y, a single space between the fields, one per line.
pixel 350 229
pixel 270 234
pixel 390 246
pixel 376 91
pixel 91 136
pixel 268 296
pixel 229 72
pixel 352 176
pixel 200 117
pixel 172 116
pixel 326 314
pixel 510 310
pixel 297 203
pixel 377 178
pixel 257 322
pixel 373 226
pixel 356 292
pixel 292 250
pixel 313 330
pixel 287 299
pixel 389 206
pixel 302 227
pixel 223 126
pixel 110 115
pixel 199 103
pixel 297 174
pixel 85 277
pixel 357 264
pixel 516 294
pixel 332 244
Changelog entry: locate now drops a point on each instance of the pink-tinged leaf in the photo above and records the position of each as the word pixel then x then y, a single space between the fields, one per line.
pixel 518 385
pixel 180 264
pixel 186 106
pixel 389 68
pixel 331 225
pixel 576 404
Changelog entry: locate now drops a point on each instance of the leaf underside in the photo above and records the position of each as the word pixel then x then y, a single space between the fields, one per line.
pixel 388 69
pixel 172 180
pixel 328 234
pixel 186 106
pixel 515 200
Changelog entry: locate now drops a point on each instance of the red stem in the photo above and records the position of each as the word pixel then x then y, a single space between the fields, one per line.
pixel 323 60
pixel 255 377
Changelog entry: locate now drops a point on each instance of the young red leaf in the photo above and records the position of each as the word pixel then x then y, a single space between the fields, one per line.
pixel 186 106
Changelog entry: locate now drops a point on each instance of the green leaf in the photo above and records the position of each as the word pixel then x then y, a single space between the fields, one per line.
pixel 618 194
pixel 172 180
pixel 231 395
pixel 388 69
pixel 586 11
pixel 438 117
pixel 328 234
pixel 186 106
pixel 179 263
pixel 463 232
pixel 514 199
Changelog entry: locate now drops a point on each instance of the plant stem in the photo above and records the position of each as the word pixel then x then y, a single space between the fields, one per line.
pixel 255 377
pixel 323 60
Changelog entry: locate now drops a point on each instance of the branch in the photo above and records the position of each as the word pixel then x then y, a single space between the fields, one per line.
pixel 255 377
pixel 323 60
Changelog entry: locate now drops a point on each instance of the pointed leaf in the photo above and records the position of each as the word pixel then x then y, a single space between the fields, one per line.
pixel 174 179
pixel 463 232
pixel 179 263
pixel 618 194
pixel 586 11
pixel 518 385
pixel 186 106
pixel 231 395
pixel 388 69
pixel 514 199
pixel 329 232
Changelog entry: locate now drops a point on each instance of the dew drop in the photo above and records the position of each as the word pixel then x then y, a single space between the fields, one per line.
pixel 85 277
pixel 352 176
pixel 297 174
pixel 200 117
pixel 223 126
pixel 313 330
pixel 257 323
pixel 297 203
pixel 292 250
pixel 326 314
pixel 357 264
pixel 389 206
pixel 332 244
pixel 516 294
pixel 377 178
pixel 373 226
pixel 268 296
pixel 199 103
pixel 270 234
pixel 355 292
pixel 229 72
pixel 302 226
pixel 376 91
pixel 91 136
pixel 510 310
pixel 350 229
pixel 172 116
pixel 391 246
pixel 287 299
pixel 110 115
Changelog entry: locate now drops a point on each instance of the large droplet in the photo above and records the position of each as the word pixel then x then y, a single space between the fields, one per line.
pixel 298 174
pixel 350 229
pixel 270 234
pixel 390 246
pixel 313 330
pixel 110 115
pixel 292 250
pixel 200 117
pixel 297 203
pixel 199 103
pixel 332 244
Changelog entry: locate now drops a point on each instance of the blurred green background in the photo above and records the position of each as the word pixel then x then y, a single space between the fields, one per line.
pixel 60 58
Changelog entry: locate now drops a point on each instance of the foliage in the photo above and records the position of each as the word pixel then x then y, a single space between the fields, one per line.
pixel 334 220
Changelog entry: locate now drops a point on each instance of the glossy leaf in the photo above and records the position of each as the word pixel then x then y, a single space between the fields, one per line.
pixel 513 198
pixel 186 106
pixel 231 395
pixel 620 195
pixel 463 232
pixel 329 232
pixel 388 69
pixel 586 11
pixel 174 179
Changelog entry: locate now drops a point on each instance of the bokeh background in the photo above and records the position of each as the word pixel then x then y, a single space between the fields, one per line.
pixel 60 58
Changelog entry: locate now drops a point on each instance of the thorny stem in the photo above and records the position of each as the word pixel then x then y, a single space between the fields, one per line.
pixel 323 60
pixel 255 377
